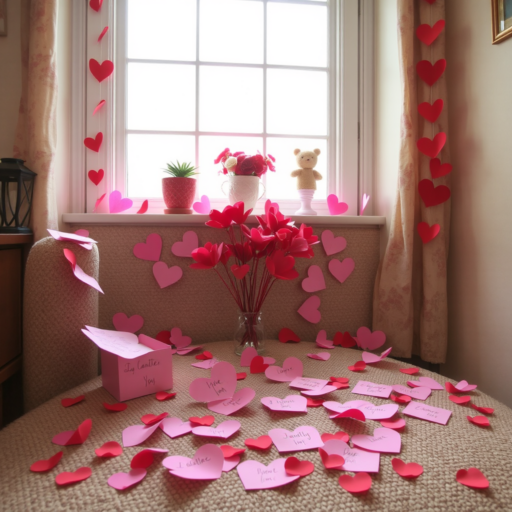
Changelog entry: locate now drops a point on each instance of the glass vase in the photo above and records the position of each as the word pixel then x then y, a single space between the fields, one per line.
pixel 249 332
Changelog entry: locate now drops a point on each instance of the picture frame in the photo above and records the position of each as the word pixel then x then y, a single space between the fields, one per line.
pixel 501 20
pixel 3 17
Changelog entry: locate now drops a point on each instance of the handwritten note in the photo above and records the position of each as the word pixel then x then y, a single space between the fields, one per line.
pixel 123 344
pixel 372 389
pixel 302 438
pixel 307 383
pixel 428 413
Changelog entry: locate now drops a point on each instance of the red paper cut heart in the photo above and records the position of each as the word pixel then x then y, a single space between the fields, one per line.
pixel 331 461
pixel 145 458
pixel 96 176
pixel 96 5
pixel 344 340
pixel 410 470
pixel 432 196
pixel 241 376
pixel 240 272
pixel 400 399
pixel 103 32
pixel 205 421
pixel 143 207
pixel 432 147
pixel 296 467
pixel 460 400
pixel 229 451
pixel 94 144
pixel 397 424
pixel 339 385
pixel 341 380
pixel 101 71
pixel 437 170
pixel 45 465
pixel 163 395
pixel 151 419
pixel 480 421
pixel 286 335
pixel 71 478
pixel 204 356
pixel 427 34
pixel 109 449
pixel 431 112
pixel 98 106
pixel 357 367
pixel 71 437
pixel 485 410
pixel 164 337
pixel 428 73
pixel 472 477
pixel 426 232
pixel 315 403
pixel 451 388
pixel 355 414
pixel 257 365
pixel 360 482
pixel 68 402
pixel 115 407
pixel 342 436
pixel 409 371
pixel 262 443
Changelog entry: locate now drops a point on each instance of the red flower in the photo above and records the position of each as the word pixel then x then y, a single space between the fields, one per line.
pixel 243 252
pixel 222 219
pixel 259 240
pixel 274 220
pixel 270 163
pixel 226 254
pixel 237 213
pixel 251 165
pixel 281 266
pixel 223 156
pixel 207 256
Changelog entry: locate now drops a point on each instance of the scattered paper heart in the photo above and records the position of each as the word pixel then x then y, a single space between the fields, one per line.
pixel 320 356
pixel 302 438
pixel 336 207
pixel 425 382
pixel 460 400
pixel 291 403
pixel 166 276
pixel 286 335
pixel 322 341
pixel 184 248
pixel 152 419
pixel 333 461
pixel 257 365
pixel 296 467
pixel 45 465
pixel 163 395
pixel 315 403
pixel 383 440
pixel 251 471
pixel 137 434
pixel 485 410
pixel 241 376
pixel 96 176
pixel 68 402
pixel 315 280
pixel 344 340
pixel 203 207
pixel 206 464
pixel 222 430
pixel 356 460
pixel 291 369
pixel 229 451
pixel 409 371
pixel 261 443
pixel 145 458
pixel 175 427
pixel 308 383
pixel 480 421
pixel 122 481
pixel 204 421
pixel 370 358
pixel 400 399
pixel 410 470
pixel 332 245
pixel 231 405
pixel 473 478
pixel 394 423
pixel 342 436
pixel 464 386
pixel 357 484
pixel 368 340
pixel 230 463
pixel 79 475
pixel 204 356
pixel 149 250
pixel 328 388
pixel 359 366
pixel 127 324
pixel 341 380
pixel 341 270
pixel 428 412
pixel 309 310
pixel 109 449
pixel 71 437
pixel 420 393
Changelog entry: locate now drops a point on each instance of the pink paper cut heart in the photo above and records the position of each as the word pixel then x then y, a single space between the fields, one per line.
pixel 206 365
pixel 150 250
pixel 122 481
pixel 302 438
pixel 222 430
pixel 464 386
pixel 137 434
pixel 320 356
pixel 341 270
pixel 255 475
pixel 206 464
pixel 71 437
pixel 123 323
pixel 322 341
pixel 175 427
pixel 355 460
pixel 202 206
pixel 220 385
pixel 291 403
pixel 292 368
pixel 178 340
pixel 118 204
pixel 365 200
pixel 332 244
pixel 184 248
pixel 268 360
pixel 335 207
pixel 328 388
pixel 188 349
pixel 370 358
pixel 370 411
pixel 418 393
pixel 227 407
pixel 315 282
pixel 247 356
pixel 309 310
pixel 384 440
pixel 230 463
pixel 369 340
pixel 425 382
pixel 166 276
pixel 308 383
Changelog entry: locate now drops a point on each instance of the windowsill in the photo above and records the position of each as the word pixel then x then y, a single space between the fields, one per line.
pixel 148 219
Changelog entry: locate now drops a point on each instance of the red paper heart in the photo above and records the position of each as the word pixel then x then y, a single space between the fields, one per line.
pixel 394 423
pixel 432 147
pixel 460 400
pixel 98 106
pixel 332 461
pixel 71 478
pixel 429 73
pixel 163 395
pixel 164 337
pixel 151 419
pixel 96 5
pixel 409 371
pixel 315 403
pixel 485 410
pixel 109 449
pixel 115 407
pixel 480 421
pixel 241 376
pixel 143 207
pixel 472 477
pixel 432 196
pixel 204 356
pixel 96 176
pixel 205 421
pixel 257 365
pixel 262 443
pixel 360 482
pixel 142 460
pixel 341 380
pixel 101 71
pixel 357 367
pixel 451 388
pixel 229 451
pixel 410 470
pixel 296 467
pixel 339 385
pixel 94 144
pixel 45 465
pixel 400 399
pixel 286 335
pixel 437 170
pixel 103 32
pixel 355 414
pixel 240 271
pixel 68 402
pixel 342 436
pixel 428 34
pixel 344 340
pixel 426 232
pixel 431 112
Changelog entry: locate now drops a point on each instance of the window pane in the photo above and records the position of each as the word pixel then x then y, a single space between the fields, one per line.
pixel 147 155
pixel 209 148
pixel 231 31
pixel 161 29
pixel 231 99
pixel 280 185
pixel 161 97
pixel 297 34
pixel 296 102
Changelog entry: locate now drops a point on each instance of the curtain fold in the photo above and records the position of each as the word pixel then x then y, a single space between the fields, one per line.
pixel 36 132
pixel 410 294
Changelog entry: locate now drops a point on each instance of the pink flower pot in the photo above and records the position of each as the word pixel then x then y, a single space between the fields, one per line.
pixel 179 194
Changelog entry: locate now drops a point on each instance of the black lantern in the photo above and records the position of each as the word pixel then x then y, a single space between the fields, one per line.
pixel 17 188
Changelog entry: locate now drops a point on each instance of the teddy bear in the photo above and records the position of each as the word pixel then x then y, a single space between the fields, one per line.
pixel 306 175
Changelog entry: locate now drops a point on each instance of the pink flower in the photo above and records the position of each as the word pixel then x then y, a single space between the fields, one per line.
pixel 207 256
pixel 223 156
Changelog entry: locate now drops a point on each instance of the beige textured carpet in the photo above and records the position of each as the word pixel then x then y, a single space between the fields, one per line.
pixel 442 450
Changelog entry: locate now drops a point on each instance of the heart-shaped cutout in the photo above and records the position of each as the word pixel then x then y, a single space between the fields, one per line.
pixel 473 478
pixel 296 467
pixel 143 207
pixel 137 434
pixel 45 465
pixel 394 423
pixel 206 464
pixel 384 440
pixel 358 366
pixel 431 111
pixel 127 324
pixel 409 371
pixel 341 270
pixel 315 403
pixel 309 310
pixel 184 248
pixel 342 436
pixel 400 399
pixel 331 244
pixel 425 382
pixel 222 430
pixel 480 421
pixel 204 356
pixel 417 393
pixel 286 335
pixel 95 5
pixel 163 395
pixel 149 250
pixel 428 233
pixel 410 470
pixel 94 144
pixel 432 147
pixel 328 388
pixel 96 176
pixel 370 358
pixel 178 339
pixel 122 481
pixel 98 106
pixel 315 280
pixel 203 207
pixel 437 170
pixel 220 385
pixel 368 340
pixel 145 458
pixel 175 427
pixel 460 400
pixel 258 365
pixel 429 73
pixel 109 449
pixel 357 484
pixel 433 196
pixel 101 71
pixel 356 460
pixel 68 402
pixel 320 356
pixel 344 340
pixel 241 376
pixel 79 475
pixel 71 437
pixel 261 443
pixel 251 474
pixel 166 276
pixel 322 341
pixel 230 463
pixel 247 356
pixel 204 421
pixel 291 369
pixel 302 438
pixel 230 451
pixel 333 461
pixel 291 403
pixel 428 34
pixel 117 203
pixel 231 405
pixel 152 419
pixel 336 207
pixel 102 35
pixel 115 407
pixel 485 410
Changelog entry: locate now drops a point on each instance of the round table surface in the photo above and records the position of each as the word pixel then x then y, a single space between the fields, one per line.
pixel 441 450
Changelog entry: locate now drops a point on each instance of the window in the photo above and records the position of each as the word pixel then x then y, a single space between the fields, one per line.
pixel 193 77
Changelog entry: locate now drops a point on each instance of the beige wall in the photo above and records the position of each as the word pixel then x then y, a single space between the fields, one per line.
pixel 480 135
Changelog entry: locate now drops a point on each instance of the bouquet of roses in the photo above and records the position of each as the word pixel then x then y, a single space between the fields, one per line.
pixel 241 164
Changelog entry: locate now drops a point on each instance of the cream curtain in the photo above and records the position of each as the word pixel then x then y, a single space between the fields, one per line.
pixel 36 132
pixel 410 302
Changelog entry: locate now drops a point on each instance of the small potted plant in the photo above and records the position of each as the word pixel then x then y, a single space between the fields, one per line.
pixel 179 188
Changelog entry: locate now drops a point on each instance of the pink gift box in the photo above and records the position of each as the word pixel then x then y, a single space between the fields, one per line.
pixel 131 366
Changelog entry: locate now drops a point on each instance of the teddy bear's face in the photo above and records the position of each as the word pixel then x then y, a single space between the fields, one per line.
pixel 307 159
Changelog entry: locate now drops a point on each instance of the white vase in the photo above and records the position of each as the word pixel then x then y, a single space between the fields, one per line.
pixel 306 196
pixel 243 188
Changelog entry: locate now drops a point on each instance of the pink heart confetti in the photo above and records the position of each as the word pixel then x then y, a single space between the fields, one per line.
pixel 206 464
pixel 322 341
pixel 117 203
pixel 425 382
pixel 255 475
pixel 417 393
pixel 315 280
pixel 71 437
pixel 149 250
pixel 341 270
pixel 137 434
pixel 222 430
pixel 220 385
pixel 202 206
pixel 122 481
pixel 356 460
pixel 370 358
pixel 308 383
pixel 109 449
pixel 370 411
pixel 320 356
pixel 247 356
pixel 394 423
pixel 230 463
pixel 336 207
pixel 372 389
pixel 329 388
pixel 291 403
pixel 302 438
pixel 231 405
pixel 166 276
pixel 184 248
pixel 291 369
pixel 174 427
pixel 145 458
pixel 369 340
pixel 332 245
pixel 178 339
pixel 309 310
pixel 384 440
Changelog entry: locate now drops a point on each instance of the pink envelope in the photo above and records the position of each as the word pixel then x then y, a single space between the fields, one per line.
pixel 302 438
pixel 418 393
pixel 308 383
pixel 206 464
pixel 371 389
pixel 292 368
pixel 355 460
pixel 255 475
pixel 231 405
pixel 291 403
pixel 427 412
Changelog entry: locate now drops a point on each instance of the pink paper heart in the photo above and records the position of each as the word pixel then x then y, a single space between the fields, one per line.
pixel 71 437
pixel 206 365
pixel 355 460
pixel 178 340
pixel 341 270
pixel 320 356
pixel 174 427
pixel 202 206
pixel 166 276
pixel 308 383
pixel 369 340
pixel 395 424
pixel 206 464
pixel 150 250
pixel 268 360
pixel 384 440
pixel 364 202
pixel 370 411
pixel 417 393
pixel 464 386
pixel 222 430
pixel 227 407
pixel 367 388
pixel 184 248
pixel 328 388
pixel 122 481
pixel 247 356
pixel 123 323
pixel 332 244
pixel 322 341
pixel 137 434
pixel 315 281
pixel 220 385
pixel 309 310
pixel 370 358
pixel 291 403
pixel 292 368
pixel 302 438
pixel 336 207
pixel 255 475
pixel 425 382
pixel 230 463
pixel 118 204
